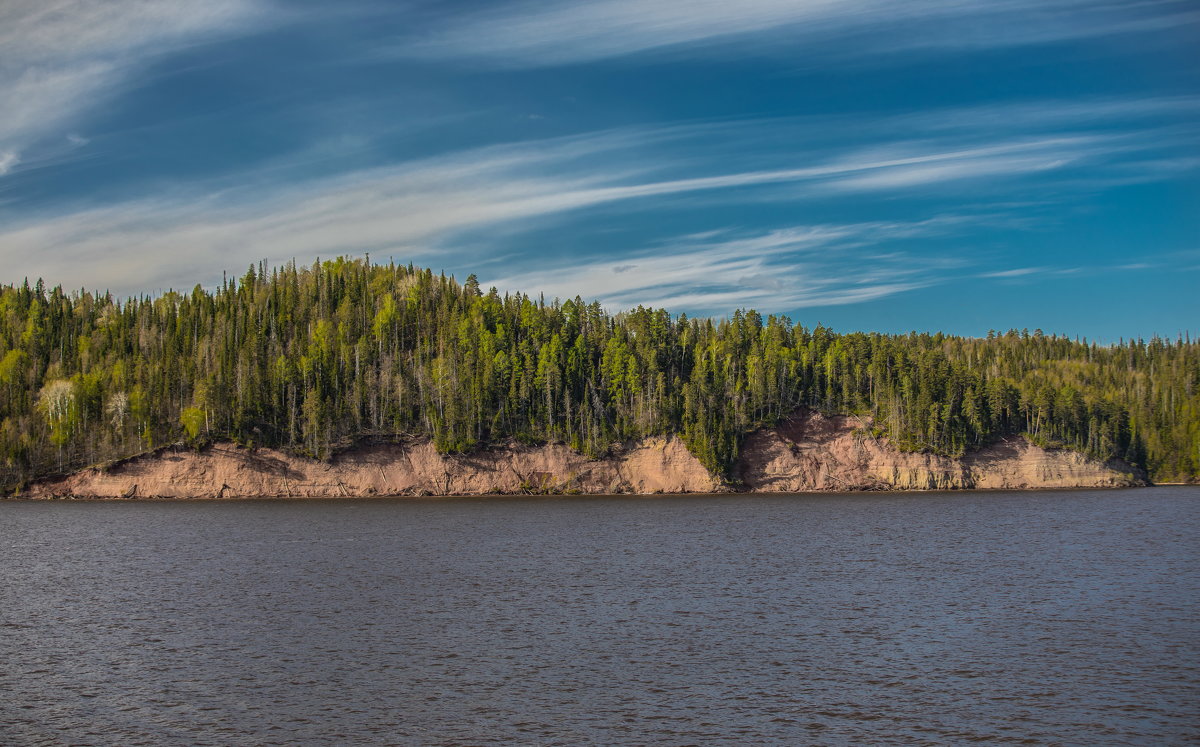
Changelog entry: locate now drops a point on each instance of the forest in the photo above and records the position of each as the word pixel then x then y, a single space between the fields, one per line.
pixel 313 359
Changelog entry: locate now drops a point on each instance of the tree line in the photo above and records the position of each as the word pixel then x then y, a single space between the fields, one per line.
pixel 314 358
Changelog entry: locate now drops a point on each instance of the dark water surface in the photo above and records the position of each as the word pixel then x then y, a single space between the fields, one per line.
pixel 1033 618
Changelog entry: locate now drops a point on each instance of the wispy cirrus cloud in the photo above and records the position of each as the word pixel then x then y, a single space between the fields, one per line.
pixel 788 268
pixel 1022 275
pixel 428 209
pixel 61 57
pixel 1105 112
pixel 784 269
pixel 535 34
pixel 418 207
pixel 1015 272
pixel 8 159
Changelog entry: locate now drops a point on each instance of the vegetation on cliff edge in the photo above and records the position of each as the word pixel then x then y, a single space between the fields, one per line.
pixel 306 358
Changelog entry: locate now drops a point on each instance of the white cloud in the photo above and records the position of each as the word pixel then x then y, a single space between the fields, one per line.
pixel 1095 269
pixel 959 169
pixel 533 34
pixel 413 208
pixel 789 268
pixel 1045 113
pixel 61 57
pixel 431 208
pixel 8 159
pixel 1013 273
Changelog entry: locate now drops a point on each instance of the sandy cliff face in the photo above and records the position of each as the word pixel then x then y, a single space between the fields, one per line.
pixel 224 470
pixel 813 452
pixel 809 452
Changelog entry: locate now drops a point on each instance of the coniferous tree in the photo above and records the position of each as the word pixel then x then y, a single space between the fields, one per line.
pixel 310 359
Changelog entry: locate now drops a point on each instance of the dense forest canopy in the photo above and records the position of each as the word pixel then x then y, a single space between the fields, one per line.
pixel 313 358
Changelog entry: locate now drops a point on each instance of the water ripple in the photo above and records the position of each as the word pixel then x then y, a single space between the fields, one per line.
pixel 1057 618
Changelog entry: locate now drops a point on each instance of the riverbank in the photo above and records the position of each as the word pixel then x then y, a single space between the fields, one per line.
pixel 809 452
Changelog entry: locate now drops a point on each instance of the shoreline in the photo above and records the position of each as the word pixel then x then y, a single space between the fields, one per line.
pixel 731 493
pixel 809 453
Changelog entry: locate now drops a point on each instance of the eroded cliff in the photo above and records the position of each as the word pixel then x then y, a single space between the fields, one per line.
pixel 808 452
pixel 813 452
pixel 413 468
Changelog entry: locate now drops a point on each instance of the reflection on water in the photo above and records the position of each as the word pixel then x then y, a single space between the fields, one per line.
pixel 1037 618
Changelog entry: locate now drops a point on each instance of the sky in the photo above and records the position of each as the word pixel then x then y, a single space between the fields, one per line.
pixel 933 165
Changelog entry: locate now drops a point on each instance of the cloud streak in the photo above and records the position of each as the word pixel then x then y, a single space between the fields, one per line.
pixel 428 210
pixel 416 208
pixel 8 159
pixel 61 57
pixel 537 34
pixel 789 268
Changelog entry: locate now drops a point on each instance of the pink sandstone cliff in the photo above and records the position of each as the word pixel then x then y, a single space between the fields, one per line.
pixel 814 452
pixel 415 468
pixel 809 452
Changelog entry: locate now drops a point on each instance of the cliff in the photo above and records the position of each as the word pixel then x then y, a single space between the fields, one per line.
pixel 414 468
pixel 809 452
pixel 813 452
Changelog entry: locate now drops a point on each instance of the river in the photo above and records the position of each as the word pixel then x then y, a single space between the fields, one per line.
pixel 1058 617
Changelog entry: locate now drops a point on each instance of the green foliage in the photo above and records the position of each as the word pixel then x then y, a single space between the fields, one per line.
pixel 310 358
pixel 192 419
pixel 58 404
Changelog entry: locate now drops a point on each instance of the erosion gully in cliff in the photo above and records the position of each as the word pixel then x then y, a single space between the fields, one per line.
pixel 808 452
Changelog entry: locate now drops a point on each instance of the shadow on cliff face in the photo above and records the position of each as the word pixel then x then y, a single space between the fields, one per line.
pixel 995 453
pixel 1136 473
pixel 1012 449
pixel 270 464
pixel 809 425
pixel 256 461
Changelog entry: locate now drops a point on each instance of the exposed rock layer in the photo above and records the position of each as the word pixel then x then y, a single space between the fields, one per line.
pixel 415 468
pixel 813 452
pixel 807 453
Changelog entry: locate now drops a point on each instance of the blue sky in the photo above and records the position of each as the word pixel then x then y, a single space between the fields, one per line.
pixel 932 164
